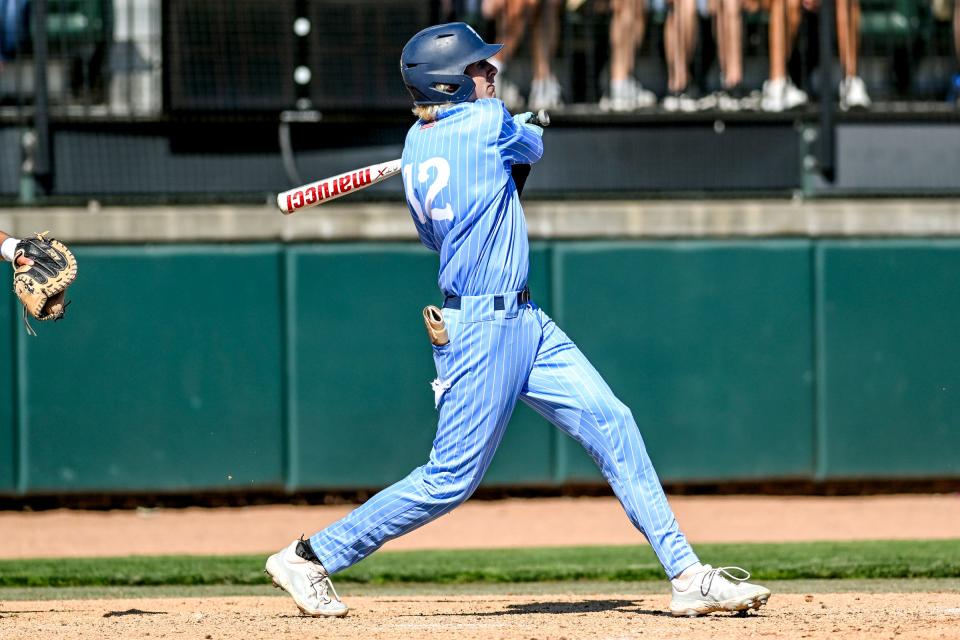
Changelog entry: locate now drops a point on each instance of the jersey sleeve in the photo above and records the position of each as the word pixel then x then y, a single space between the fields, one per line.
pixel 518 144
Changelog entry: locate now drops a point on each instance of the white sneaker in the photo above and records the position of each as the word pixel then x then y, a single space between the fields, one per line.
pixel 752 101
pixel 853 94
pixel 679 102
pixel 509 93
pixel 544 94
pixel 727 101
pixel 708 102
pixel 773 95
pixel 307 581
pixel 716 590
pixel 793 96
pixel 781 95
pixel 627 95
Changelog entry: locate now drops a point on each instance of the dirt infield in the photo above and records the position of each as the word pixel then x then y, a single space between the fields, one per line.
pixel 510 616
pixel 926 616
pixel 479 524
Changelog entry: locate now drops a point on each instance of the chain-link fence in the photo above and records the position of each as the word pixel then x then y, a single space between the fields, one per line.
pixel 102 58
pixel 70 66
pixel 145 58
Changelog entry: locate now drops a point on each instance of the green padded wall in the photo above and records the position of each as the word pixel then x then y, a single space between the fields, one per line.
pixel 170 361
pixel 8 440
pixel 890 379
pixel 310 369
pixel 709 344
pixel 362 411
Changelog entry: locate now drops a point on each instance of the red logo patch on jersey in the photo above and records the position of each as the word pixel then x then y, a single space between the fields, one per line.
pixel 427 125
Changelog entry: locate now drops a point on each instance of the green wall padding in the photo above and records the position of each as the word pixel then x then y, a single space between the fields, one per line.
pixel 306 367
pixel 709 344
pixel 891 359
pixel 169 370
pixel 9 323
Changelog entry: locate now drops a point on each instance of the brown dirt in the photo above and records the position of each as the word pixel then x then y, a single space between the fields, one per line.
pixel 507 523
pixel 834 616
pixel 510 523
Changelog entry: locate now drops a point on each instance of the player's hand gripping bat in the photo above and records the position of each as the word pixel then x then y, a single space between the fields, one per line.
pixel 522 171
pixel 323 191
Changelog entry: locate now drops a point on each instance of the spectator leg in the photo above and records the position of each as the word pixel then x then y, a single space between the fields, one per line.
pixel 511 25
pixel 729 28
pixel 848 29
pixel 678 34
pixel 778 39
pixel 671 50
pixel 545 21
pixel 689 29
pixel 793 25
pixel 627 28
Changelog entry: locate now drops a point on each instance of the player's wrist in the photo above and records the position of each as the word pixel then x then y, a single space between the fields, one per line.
pixel 8 249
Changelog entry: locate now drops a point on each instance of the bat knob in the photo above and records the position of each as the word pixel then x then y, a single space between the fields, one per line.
pixel 542 118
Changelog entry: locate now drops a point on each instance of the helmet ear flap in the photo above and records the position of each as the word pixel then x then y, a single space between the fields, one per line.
pixel 416 93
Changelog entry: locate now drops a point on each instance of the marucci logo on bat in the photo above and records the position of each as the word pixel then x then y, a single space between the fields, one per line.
pixel 330 188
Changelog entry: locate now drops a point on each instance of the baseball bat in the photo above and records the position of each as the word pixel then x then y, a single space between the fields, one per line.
pixel 323 191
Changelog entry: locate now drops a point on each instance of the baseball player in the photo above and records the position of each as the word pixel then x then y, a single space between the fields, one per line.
pixel 499 346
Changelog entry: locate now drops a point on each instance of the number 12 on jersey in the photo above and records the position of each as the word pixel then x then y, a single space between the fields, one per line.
pixel 441 177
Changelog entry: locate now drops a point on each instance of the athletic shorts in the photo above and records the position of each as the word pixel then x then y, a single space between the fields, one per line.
pixel 660 6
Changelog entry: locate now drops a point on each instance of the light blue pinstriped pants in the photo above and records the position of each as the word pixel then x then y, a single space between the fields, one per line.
pixel 493 358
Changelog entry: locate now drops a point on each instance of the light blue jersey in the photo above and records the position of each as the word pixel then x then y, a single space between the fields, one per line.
pixel 502 347
pixel 456 173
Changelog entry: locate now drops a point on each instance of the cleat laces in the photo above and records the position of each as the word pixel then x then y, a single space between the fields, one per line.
pixel 322 585
pixel 724 574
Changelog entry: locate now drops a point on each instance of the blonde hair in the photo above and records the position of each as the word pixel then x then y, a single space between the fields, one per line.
pixel 429 112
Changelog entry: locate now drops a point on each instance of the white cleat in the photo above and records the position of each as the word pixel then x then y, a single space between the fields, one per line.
pixel 717 590
pixel 306 581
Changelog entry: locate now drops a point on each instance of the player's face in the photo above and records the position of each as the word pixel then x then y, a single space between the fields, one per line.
pixel 482 73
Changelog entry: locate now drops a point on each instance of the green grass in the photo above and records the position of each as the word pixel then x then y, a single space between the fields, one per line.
pixel 815 560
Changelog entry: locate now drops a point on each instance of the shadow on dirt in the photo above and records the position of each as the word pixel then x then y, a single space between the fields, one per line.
pixel 12 612
pixel 133 612
pixel 584 606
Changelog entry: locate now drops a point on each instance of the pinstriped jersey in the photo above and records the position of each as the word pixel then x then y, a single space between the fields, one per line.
pixel 464 203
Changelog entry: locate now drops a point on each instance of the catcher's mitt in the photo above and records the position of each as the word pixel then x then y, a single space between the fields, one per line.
pixel 42 286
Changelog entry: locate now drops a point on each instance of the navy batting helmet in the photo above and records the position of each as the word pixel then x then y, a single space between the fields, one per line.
pixel 438 55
